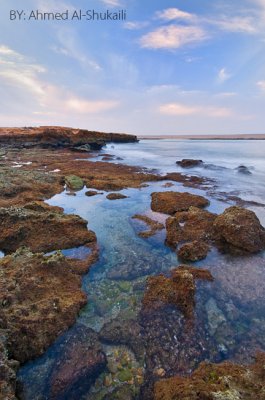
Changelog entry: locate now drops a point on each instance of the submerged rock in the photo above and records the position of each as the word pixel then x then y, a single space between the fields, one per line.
pixel 171 202
pixel 42 228
pixel 188 163
pixel 116 196
pixel 216 382
pixel 193 251
pixel 154 225
pixel 74 182
pixel 81 361
pixel 215 316
pixel 242 169
pixel 241 228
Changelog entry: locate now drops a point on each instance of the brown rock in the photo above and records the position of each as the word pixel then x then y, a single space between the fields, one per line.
pixel 178 290
pixel 7 374
pixel 196 224
pixel 216 381
pixel 116 196
pixel 193 251
pixel 42 228
pixel 171 202
pixel 241 228
pixel 91 193
pixel 188 163
pixel 40 298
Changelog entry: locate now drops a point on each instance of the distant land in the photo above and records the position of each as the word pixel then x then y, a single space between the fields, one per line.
pixel 260 136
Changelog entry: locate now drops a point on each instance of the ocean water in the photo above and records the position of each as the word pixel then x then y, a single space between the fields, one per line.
pixel 229 313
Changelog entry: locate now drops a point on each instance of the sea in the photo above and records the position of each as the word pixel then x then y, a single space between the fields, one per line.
pixel 229 313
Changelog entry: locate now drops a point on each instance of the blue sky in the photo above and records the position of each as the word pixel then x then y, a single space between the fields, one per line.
pixel 174 67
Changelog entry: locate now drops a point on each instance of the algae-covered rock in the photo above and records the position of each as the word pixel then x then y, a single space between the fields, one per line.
pixel 241 228
pixel 193 251
pixel 225 381
pixel 171 202
pixel 74 182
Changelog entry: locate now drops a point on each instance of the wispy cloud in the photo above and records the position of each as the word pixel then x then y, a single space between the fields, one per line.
pixel 112 3
pixel 135 25
pixel 178 109
pixel 223 75
pixel 172 37
pixel 261 85
pixel 171 14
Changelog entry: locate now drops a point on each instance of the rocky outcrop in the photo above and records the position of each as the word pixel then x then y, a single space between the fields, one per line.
pixel 240 228
pixel 188 226
pixel 40 298
pixel 56 137
pixel 216 381
pixel 116 196
pixel 171 202
pixel 42 228
pixel 153 225
pixel 74 182
pixel 80 363
pixel 242 169
pixel 189 163
pixel 193 251
pixel 177 290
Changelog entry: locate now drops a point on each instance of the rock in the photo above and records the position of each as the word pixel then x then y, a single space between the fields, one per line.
pixel 171 202
pixel 154 225
pixel 124 331
pixel 81 362
pixel 240 228
pixel 177 290
pixel 41 297
pixel 42 228
pixel 116 196
pixel 188 163
pixel 74 182
pixel 124 392
pixel 242 169
pixel 193 251
pixel 215 316
pixel 8 370
pixel 91 193
pixel 83 147
pixel 216 381
pixel 194 224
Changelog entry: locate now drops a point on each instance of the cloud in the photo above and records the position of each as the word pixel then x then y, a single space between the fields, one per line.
pixel 134 25
pixel 112 3
pixel 171 14
pixel 84 106
pixel 223 75
pixel 236 24
pixel 261 85
pixel 178 109
pixel 172 37
pixel 23 79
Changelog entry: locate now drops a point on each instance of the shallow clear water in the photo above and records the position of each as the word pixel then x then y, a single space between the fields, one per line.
pixel 229 314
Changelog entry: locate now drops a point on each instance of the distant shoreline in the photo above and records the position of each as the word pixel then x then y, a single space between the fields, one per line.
pixel 205 137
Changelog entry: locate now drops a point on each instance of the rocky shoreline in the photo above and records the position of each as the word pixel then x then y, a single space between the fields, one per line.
pixel 41 293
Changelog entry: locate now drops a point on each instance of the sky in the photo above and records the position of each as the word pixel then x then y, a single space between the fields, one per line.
pixel 173 67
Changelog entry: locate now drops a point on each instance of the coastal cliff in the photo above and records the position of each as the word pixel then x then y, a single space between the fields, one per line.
pixel 60 137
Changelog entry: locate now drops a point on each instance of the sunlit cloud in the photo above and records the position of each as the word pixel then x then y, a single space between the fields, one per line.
pixel 178 109
pixel 172 37
pixel 171 14
pixel 84 106
pixel 261 85
pixel 223 75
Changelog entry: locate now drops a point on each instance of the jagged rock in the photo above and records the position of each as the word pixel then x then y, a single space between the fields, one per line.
pixel 188 163
pixel 194 224
pixel 216 382
pixel 193 251
pixel 171 202
pixel 42 228
pixel 8 370
pixel 40 298
pixel 81 361
pixel 241 228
